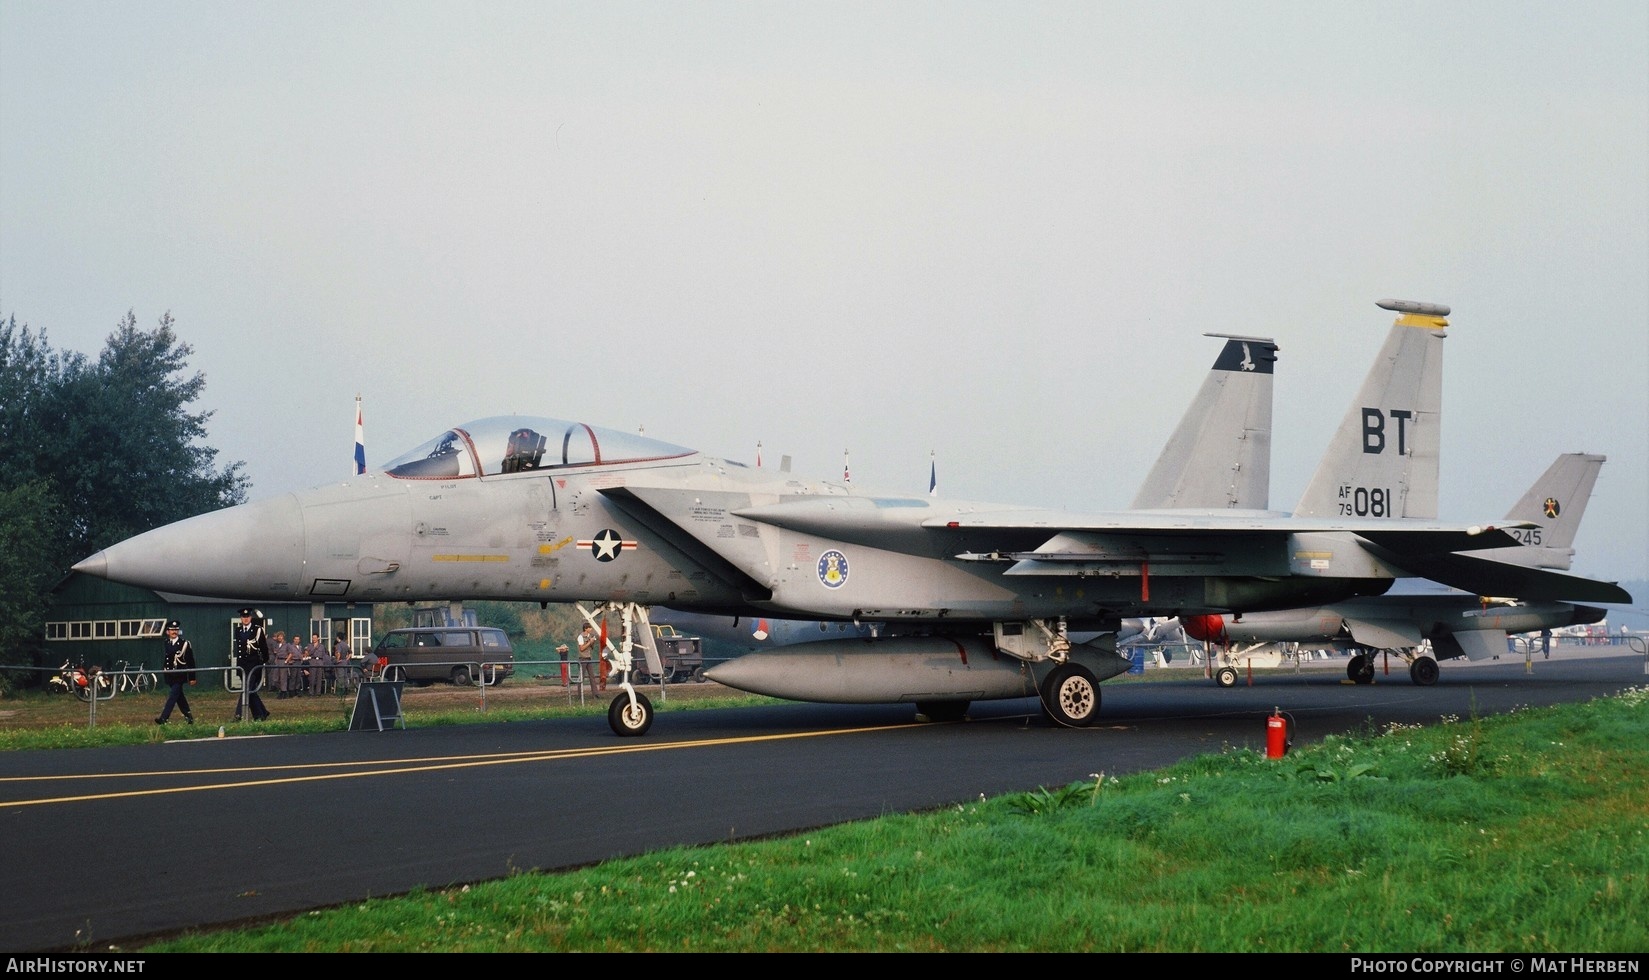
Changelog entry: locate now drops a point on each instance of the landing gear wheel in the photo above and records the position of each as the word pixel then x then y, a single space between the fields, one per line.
pixel 1070 696
pixel 943 710
pixel 1423 671
pixel 1226 677
pixel 1361 669
pixel 630 719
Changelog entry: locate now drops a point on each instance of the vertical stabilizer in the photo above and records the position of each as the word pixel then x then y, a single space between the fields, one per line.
pixel 1556 501
pixel 1220 455
pixel 1383 460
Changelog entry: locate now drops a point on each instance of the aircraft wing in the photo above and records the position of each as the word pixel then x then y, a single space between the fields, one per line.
pixel 1044 541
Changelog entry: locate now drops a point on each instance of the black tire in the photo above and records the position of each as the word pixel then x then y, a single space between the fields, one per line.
pixel 943 710
pixel 83 692
pixel 1070 696
pixel 627 719
pixel 461 676
pixel 1226 677
pixel 698 675
pixel 1423 671
pixel 1361 668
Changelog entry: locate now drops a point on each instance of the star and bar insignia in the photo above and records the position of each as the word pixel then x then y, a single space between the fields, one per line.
pixel 607 545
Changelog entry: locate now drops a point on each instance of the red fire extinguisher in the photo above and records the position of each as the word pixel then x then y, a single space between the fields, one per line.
pixel 1276 735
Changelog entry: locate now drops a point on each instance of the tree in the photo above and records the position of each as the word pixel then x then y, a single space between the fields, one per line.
pixel 131 456
pixel 97 452
pixel 28 524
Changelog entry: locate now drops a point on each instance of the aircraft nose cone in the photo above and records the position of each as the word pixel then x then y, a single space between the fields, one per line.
pixel 97 564
pixel 252 551
pixel 1207 628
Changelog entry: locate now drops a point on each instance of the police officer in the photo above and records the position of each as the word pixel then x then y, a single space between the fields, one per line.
pixel 179 671
pixel 251 653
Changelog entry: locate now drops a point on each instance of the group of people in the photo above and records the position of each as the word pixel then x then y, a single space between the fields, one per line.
pixel 297 669
pixel 288 667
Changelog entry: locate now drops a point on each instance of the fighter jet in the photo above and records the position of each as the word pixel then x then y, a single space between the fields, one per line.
pixel 1457 624
pixel 514 508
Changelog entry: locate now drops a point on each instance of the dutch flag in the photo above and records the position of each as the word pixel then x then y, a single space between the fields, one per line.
pixel 360 440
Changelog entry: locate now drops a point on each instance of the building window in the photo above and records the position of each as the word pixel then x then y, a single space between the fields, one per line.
pixel 360 636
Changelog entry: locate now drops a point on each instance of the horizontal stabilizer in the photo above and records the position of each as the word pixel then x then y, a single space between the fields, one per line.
pixel 1482 576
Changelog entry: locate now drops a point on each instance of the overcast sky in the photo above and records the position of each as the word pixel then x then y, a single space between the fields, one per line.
pixel 994 232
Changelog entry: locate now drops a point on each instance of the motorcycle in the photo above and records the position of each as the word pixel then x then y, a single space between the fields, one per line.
pixel 82 681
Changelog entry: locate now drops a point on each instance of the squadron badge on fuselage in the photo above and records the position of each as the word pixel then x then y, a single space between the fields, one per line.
pixel 833 569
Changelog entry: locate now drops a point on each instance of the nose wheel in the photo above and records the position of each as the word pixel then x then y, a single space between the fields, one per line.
pixel 630 714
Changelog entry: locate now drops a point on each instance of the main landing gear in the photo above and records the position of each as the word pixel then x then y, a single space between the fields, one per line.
pixel 1070 696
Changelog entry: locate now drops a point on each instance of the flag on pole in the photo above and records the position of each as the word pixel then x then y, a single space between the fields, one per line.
pixel 360 440
pixel 847 477
pixel 933 474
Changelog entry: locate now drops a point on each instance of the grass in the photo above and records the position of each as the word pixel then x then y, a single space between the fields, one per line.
pixel 1526 832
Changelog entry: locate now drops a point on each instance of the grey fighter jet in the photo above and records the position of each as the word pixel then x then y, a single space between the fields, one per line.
pixel 516 508
pixel 1453 624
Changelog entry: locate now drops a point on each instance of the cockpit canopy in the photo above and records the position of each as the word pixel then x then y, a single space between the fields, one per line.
pixel 518 443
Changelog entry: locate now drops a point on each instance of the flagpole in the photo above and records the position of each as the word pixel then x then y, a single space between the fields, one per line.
pixel 360 440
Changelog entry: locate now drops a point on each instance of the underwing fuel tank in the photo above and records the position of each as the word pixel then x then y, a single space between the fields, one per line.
pixel 896 669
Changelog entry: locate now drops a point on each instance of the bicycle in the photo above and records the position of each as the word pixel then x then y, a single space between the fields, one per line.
pixel 140 679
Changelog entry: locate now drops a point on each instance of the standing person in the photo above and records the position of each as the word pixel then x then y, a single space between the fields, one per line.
pixel 251 653
pixel 276 672
pixel 320 670
pixel 340 657
pixel 291 658
pixel 313 654
pixel 587 642
pixel 178 668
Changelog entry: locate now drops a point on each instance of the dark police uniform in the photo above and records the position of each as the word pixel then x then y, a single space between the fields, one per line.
pixel 178 672
pixel 251 653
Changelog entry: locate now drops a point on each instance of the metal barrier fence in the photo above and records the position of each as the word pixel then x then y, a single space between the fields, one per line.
pixel 95 684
